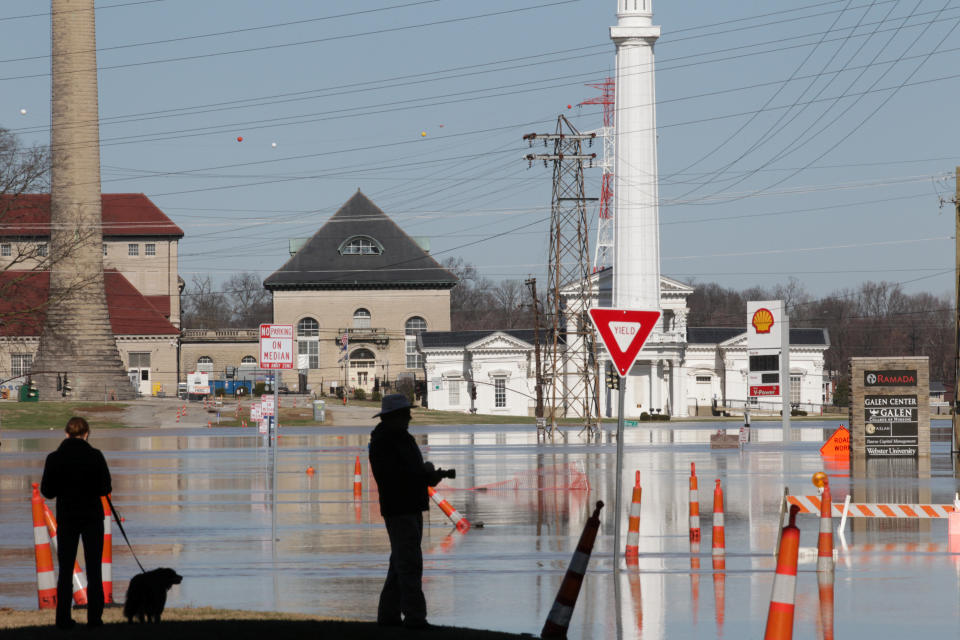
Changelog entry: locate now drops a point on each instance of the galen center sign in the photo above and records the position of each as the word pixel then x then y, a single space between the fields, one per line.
pixel 276 346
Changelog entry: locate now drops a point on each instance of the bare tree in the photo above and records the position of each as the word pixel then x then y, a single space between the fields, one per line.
pixel 204 306
pixel 250 304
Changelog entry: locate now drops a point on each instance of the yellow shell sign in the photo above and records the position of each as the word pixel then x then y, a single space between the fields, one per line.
pixel 762 320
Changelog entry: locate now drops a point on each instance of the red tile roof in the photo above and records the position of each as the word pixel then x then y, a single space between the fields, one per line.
pixel 23 295
pixel 123 214
pixel 161 304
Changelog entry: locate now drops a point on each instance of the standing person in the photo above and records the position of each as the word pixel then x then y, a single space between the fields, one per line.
pixel 76 475
pixel 402 480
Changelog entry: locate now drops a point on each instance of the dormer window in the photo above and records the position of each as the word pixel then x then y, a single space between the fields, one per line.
pixel 360 246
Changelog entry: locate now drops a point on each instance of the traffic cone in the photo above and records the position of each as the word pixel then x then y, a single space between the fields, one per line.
pixel 357 479
pixel 633 531
pixel 106 563
pixel 209 425
pixel 461 523
pixel 79 578
pixel 694 505
pixel 719 543
pixel 559 617
pixel 309 471
pixel 825 541
pixel 46 580
pixel 178 416
pixel 780 615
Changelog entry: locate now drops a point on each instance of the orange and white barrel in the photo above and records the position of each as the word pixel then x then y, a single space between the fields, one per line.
pixel 694 505
pixel 780 614
pixel 46 579
pixel 633 530
pixel 558 620
pixel 825 539
pixel 357 478
pixel 79 577
pixel 456 518
pixel 106 563
pixel 719 541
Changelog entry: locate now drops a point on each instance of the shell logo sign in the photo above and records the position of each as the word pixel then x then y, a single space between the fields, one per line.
pixel 762 320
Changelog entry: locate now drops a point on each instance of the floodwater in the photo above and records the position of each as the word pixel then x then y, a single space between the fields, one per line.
pixel 200 501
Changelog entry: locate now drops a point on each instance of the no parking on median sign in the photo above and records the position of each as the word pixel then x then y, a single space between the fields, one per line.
pixel 276 346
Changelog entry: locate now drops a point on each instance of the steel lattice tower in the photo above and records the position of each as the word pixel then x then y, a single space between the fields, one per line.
pixel 570 365
pixel 603 255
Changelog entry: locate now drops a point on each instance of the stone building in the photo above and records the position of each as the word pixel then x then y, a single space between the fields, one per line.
pixel 358 292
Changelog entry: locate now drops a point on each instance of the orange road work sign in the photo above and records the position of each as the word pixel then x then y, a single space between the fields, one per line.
pixel 838 444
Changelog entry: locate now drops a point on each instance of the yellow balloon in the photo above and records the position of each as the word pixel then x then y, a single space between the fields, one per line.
pixel 819 479
pixel 423 134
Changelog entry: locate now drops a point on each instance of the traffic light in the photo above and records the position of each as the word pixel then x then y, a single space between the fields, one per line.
pixel 66 386
pixel 613 378
pixel 59 383
pixel 32 389
pixel 473 391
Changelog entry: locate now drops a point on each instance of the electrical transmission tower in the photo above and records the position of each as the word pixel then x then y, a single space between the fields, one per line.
pixel 603 256
pixel 570 365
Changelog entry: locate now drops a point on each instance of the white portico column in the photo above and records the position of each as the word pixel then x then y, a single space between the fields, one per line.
pixel 636 274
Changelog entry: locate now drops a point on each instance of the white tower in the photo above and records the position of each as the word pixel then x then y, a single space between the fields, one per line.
pixel 636 273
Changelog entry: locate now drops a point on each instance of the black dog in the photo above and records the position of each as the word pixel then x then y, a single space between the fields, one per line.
pixel 147 594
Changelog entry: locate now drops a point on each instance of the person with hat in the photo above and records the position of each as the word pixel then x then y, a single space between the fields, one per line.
pixel 402 480
pixel 77 475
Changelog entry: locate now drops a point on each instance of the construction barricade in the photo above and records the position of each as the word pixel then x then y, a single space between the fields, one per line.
pixel 558 620
pixel 79 578
pixel 46 579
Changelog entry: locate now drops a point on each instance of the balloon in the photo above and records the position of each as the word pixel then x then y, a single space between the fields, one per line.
pixel 273 144
pixel 23 112
pixel 423 134
pixel 569 106
pixel 239 138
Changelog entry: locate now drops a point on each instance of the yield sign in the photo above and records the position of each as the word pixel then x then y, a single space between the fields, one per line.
pixel 623 332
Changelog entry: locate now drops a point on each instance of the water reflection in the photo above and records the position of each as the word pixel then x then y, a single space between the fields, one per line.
pixel 204 503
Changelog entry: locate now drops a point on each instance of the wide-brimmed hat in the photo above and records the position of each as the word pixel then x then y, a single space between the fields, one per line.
pixel 393 402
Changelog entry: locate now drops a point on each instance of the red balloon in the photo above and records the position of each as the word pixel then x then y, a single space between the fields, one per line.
pixel 569 106
pixel 239 138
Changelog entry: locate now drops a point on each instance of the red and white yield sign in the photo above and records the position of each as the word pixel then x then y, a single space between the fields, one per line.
pixel 276 346
pixel 623 332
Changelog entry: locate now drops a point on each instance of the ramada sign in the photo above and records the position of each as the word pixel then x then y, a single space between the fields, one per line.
pixel 623 332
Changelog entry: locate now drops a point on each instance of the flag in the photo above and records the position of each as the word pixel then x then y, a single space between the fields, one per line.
pixel 344 340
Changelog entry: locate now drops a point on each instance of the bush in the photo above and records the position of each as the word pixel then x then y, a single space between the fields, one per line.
pixel 660 416
pixel 644 417
pixel 259 388
pixel 797 412
pixel 359 394
pixel 376 396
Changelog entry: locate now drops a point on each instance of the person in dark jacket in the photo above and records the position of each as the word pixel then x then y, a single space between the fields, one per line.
pixel 402 481
pixel 76 475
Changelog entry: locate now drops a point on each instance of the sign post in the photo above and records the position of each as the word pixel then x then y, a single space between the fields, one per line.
pixel 276 352
pixel 623 332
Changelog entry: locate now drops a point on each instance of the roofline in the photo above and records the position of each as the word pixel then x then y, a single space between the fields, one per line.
pixel 314 286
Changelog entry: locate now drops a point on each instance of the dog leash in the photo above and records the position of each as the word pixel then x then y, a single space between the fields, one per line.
pixel 118 520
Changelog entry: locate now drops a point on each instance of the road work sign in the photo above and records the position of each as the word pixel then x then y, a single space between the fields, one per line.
pixel 276 346
pixel 623 332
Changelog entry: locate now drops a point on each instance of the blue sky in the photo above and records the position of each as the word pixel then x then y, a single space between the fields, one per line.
pixel 806 139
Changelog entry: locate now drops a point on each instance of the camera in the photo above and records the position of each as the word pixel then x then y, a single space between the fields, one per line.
pixel 438 473
pixel 447 473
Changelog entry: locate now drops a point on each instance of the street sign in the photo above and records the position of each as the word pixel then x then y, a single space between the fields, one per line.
pixel 837 444
pixel 266 406
pixel 623 332
pixel 276 346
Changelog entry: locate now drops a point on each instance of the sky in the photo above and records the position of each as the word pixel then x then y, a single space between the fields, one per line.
pixel 806 139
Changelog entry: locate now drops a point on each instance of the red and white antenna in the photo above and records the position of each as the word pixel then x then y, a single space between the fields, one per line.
pixel 603 255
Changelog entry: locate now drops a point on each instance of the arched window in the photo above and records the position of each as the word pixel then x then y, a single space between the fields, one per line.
pixel 360 246
pixel 204 364
pixel 247 360
pixel 361 319
pixel 362 354
pixel 414 327
pixel 308 344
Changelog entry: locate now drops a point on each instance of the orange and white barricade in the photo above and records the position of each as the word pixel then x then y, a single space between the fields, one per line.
pixel 812 505
pixel 694 505
pixel 558 620
pixel 456 518
pixel 106 563
pixel 780 614
pixel 357 479
pixel 46 578
pixel 633 530
pixel 719 540
pixel 79 577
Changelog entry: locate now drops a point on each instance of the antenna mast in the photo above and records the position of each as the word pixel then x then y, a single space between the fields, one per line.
pixel 603 255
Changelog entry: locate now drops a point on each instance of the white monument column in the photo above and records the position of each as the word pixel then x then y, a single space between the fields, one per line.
pixel 636 273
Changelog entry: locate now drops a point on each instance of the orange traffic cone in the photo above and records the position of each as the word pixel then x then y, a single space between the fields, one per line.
pixel 309 471
pixel 825 541
pixel 780 615
pixel 694 505
pixel 79 578
pixel 106 563
pixel 458 520
pixel 46 580
pixel 357 479
pixel 719 543
pixel 178 415
pixel 559 617
pixel 633 531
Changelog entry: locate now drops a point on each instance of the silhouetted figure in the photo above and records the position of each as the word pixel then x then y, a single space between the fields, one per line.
pixel 402 481
pixel 76 475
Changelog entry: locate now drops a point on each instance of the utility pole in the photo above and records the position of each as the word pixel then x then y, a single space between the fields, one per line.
pixel 956 315
pixel 532 283
pixel 571 362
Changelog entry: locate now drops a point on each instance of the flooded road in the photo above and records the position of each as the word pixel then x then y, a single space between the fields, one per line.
pixel 200 501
